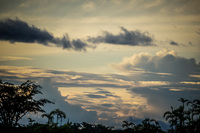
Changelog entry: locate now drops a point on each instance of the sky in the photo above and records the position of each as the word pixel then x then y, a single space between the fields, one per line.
pixel 103 61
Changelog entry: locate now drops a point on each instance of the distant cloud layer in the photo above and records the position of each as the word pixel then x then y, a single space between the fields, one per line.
pixel 165 61
pixel 107 98
pixel 132 38
pixel 19 31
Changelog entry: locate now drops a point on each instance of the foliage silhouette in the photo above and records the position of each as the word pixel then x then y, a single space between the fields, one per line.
pixel 147 126
pixel 17 100
pixel 169 115
pixel 50 116
pixel 60 115
pixel 186 118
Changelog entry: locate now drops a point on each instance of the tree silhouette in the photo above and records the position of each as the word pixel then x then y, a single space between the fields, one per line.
pixel 157 127
pixel 17 100
pixel 182 112
pixel 147 126
pixel 49 117
pixel 170 116
pixel 150 126
pixel 30 121
pixel 193 116
pixel 59 114
pixel 94 128
pixel 186 118
pixel 183 102
pixel 127 125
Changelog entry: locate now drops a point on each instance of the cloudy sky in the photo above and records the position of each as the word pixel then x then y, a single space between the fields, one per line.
pixel 104 61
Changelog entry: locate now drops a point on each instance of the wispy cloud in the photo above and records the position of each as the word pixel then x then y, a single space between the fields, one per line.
pixel 12 58
pixel 20 31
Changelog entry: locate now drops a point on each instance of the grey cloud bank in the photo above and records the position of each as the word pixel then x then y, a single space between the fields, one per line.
pixel 111 8
pixel 19 31
pixel 131 38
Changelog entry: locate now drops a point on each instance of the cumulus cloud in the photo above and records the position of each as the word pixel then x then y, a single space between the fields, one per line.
pixel 20 31
pixel 166 61
pixel 126 37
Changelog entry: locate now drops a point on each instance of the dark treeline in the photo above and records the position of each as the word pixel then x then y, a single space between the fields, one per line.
pixel 18 100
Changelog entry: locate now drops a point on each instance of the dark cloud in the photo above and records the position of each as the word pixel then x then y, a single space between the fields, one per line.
pixel 173 43
pixel 198 31
pixel 107 105
pixel 105 92
pixel 19 31
pixel 95 96
pixel 190 43
pixel 132 38
pixel 79 44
